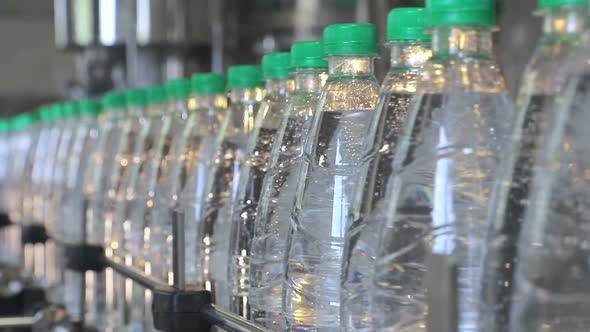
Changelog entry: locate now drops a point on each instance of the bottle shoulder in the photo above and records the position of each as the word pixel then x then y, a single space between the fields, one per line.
pixel 547 68
pixel 401 80
pixel 350 93
pixel 448 75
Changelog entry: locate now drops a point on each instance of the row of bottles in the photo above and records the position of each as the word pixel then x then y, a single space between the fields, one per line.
pixel 310 197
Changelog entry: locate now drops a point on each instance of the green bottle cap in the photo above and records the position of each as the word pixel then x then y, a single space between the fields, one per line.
pixel 4 125
pixel 55 111
pixel 350 38
pixel 208 83
pixel 244 76
pixel 69 109
pixel 178 88
pixel 441 12
pixel 156 94
pixel 90 106
pixel 114 99
pixel 557 3
pixel 136 97
pixel 308 54
pixel 406 24
pixel 44 112
pixel 22 121
pixel 36 114
pixel 276 65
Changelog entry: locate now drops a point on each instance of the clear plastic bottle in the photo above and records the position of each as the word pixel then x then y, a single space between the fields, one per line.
pixel 278 189
pixel 187 177
pixel 44 259
pixel 275 71
pixel 40 258
pixel 551 289
pixel 123 178
pixel 20 143
pixel 48 136
pixel 48 258
pixel 564 22
pixel 35 256
pixel 99 168
pixel 43 121
pixel 131 155
pixel 84 143
pixel 70 120
pixel 8 256
pixel 212 210
pixel 147 157
pixel 42 162
pixel 5 130
pixel 448 154
pixel 96 178
pixel 165 126
pixel 410 49
pixel 326 189
pixel 70 222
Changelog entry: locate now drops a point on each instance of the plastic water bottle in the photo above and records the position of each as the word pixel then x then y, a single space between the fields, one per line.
pixel 278 189
pixel 54 165
pixel 188 176
pixel 4 160
pixel 564 22
pixel 162 123
pixel 68 195
pixel 20 143
pixel 128 235
pixel 98 171
pixel 37 258
pixel 44 121
pixel 135 128
pixel 551 290
pixel 71 221
pixel 46 141
pixel 70 120
pixel 275 71
pixel 153 125
pixel 332 161
pixel 48 268
pixel 8 256
pixel 43 165
pixel 212 212
pixel 410 49
pixel 168 121
pixel 5 131
pixel 96 177
pixel 84 143
pixel 449 151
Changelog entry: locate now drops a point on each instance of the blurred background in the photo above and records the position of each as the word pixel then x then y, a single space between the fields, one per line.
pixel 64 49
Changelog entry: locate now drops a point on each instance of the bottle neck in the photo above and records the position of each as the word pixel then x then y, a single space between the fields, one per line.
pixel 178 105
pixel 462 41
pixel 278 87
pixel 310 79
pixel 136 111
pixel 350 65
pixel 565 20
pixel 209 101
pixel 155 110
pixel 115 113
pixel 246 95
pixel 409 53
